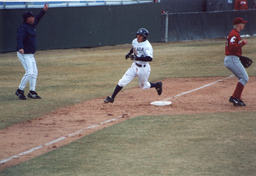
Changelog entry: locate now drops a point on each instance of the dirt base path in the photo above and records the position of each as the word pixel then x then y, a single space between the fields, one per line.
pixel 24 141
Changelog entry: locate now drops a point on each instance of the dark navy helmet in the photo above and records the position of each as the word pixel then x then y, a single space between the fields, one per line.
pixel 144 32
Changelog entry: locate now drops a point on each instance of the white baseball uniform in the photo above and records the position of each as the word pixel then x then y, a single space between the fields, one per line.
pixel 139 68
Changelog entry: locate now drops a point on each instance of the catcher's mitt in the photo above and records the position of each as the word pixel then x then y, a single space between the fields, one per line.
pixel 246 62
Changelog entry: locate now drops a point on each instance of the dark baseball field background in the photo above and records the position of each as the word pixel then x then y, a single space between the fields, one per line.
pixel 79 27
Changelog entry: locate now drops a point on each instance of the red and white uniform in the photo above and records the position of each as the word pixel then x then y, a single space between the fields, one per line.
pixel 233 50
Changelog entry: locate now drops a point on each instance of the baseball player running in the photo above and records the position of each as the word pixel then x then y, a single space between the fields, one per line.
pixel 26 47
pixel 143 54
pixel 233 50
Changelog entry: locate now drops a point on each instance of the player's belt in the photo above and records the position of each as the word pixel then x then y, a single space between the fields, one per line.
pixel 140 65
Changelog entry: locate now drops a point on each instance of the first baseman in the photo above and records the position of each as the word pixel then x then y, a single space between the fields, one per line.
pixel 233 50
pixel 143 54
pixel 26 47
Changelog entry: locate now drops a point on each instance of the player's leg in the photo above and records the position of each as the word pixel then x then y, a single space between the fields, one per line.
pixel 33 78
pixel 32 81
pixel 143 75
pixel 126 79
pixel 233 63
pixel 27 65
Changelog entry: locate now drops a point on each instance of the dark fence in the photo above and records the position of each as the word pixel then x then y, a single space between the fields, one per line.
pixel 206 25
pixel 176 6
pixel 111 25
pixel 84 26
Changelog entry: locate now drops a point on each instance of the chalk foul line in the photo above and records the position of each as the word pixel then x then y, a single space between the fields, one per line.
pixel 101 123
pixel 59 139
pixel 204 86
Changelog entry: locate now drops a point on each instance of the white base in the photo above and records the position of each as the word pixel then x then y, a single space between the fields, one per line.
pixel 161 103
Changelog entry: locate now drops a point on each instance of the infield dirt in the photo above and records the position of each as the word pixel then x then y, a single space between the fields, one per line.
pixel 128 104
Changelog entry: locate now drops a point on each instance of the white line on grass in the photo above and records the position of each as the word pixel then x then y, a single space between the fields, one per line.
pixel 58 140
pixel 97 125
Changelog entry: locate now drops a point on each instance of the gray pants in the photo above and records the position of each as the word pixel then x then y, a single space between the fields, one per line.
pixel 234 64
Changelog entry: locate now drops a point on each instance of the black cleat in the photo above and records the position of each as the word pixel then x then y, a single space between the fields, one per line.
pixel 233 100
pixel 159 88
pixel 236 101
pixel 241 103
pixel 33 95
pixel 109 100
pixel 20 94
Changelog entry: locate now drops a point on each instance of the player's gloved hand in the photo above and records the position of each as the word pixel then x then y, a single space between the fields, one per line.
pixel 127 56
pixel 133 57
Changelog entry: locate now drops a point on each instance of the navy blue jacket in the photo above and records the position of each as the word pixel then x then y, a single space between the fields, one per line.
pixel 26 35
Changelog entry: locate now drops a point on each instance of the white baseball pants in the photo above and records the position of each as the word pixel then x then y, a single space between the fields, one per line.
pixel 29 63
pixel 134 71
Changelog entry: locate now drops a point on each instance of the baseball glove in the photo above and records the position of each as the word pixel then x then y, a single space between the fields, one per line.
pixel 246 62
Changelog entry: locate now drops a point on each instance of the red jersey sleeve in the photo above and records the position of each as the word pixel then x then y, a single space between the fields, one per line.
pixel 234 44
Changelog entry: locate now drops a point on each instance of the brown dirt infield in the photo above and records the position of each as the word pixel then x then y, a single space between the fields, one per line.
pixel 128 104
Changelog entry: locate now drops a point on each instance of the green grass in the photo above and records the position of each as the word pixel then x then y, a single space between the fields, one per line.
pixel 204 144
pixel 71 76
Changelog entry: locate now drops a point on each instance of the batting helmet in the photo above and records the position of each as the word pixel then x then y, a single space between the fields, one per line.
pixel 144 32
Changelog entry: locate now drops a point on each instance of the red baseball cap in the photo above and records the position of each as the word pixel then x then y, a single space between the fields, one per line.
pixel 239 20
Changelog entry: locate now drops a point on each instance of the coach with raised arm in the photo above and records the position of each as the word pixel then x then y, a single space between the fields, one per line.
pixel 26 48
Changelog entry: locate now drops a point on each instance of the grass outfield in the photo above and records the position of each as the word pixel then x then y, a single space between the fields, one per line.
pixel 71 76
pixel 205 144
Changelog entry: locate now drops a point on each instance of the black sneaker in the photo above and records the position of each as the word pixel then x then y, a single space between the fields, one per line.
pixel 33 95
pixel 159 88
pixel 20 94
pixel 109 100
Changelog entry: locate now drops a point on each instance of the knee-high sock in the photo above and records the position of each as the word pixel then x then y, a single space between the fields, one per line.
pixel 238 91
pixel 117 89
pixel 152 85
